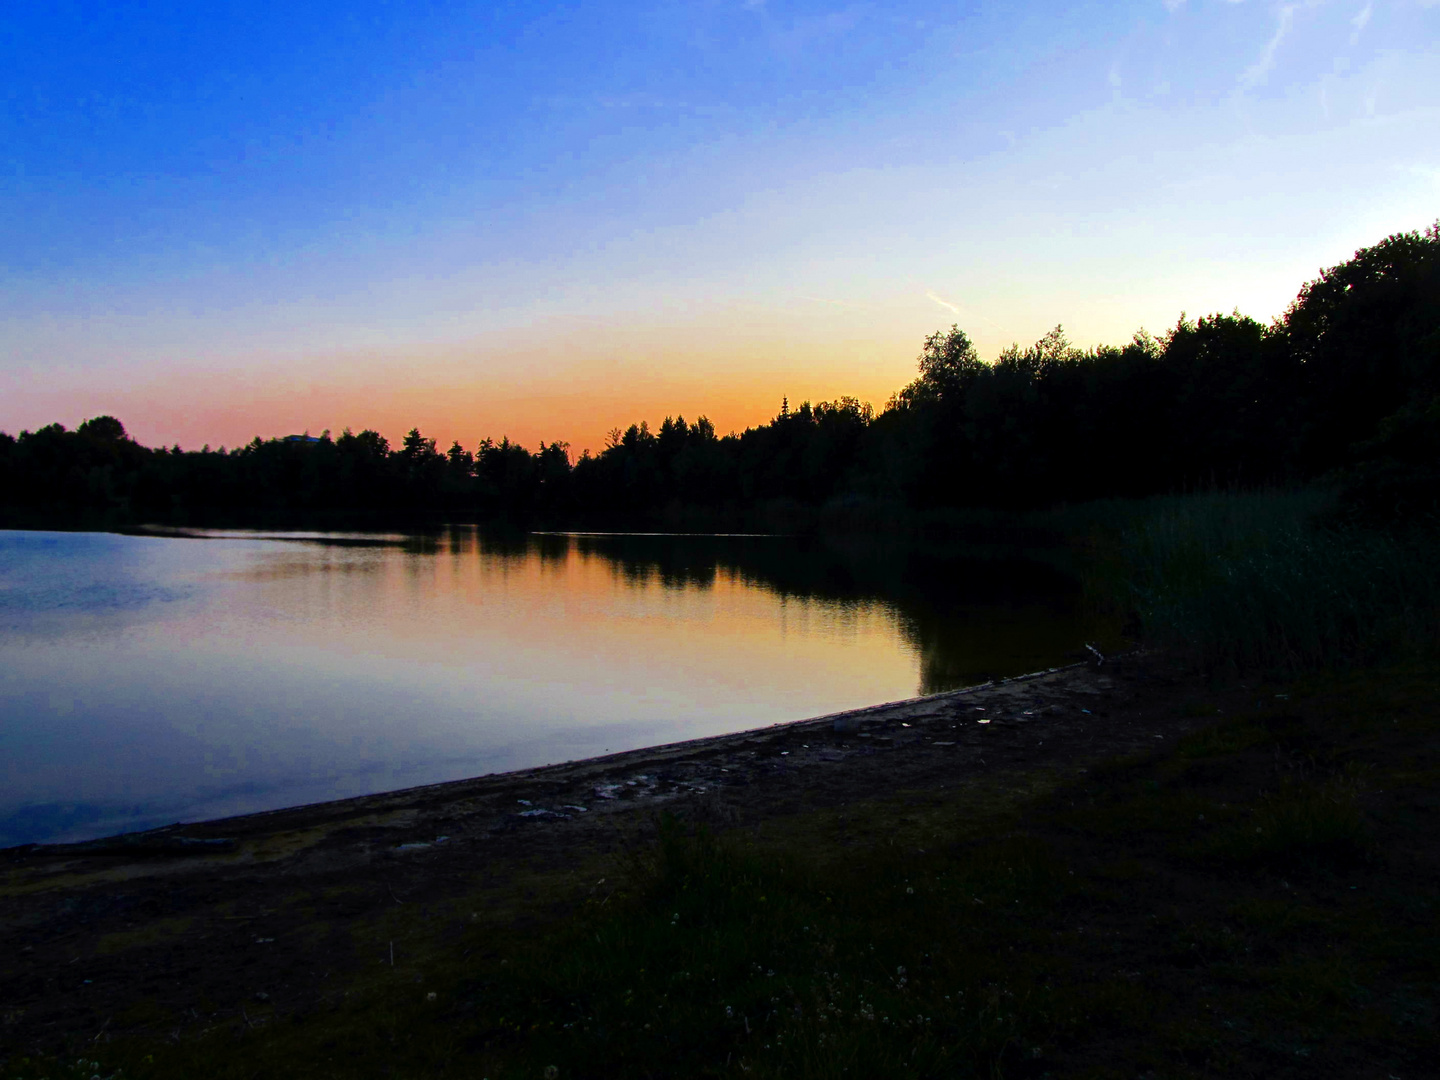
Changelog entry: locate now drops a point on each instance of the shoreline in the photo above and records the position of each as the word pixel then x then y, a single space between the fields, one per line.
pixel 182 910
pixel 179 839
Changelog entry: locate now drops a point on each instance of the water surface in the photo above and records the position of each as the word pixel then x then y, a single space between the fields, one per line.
pixel 152 679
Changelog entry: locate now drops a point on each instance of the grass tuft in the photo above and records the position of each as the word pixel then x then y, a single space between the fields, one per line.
pixel 1303 827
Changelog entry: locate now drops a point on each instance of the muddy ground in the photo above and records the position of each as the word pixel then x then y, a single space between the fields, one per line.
pixel 241 920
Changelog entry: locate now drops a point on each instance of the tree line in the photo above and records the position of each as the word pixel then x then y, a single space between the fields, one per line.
pixel 1346 384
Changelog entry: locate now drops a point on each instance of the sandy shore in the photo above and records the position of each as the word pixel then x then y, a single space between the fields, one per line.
pixel 651 777
pixel 184 909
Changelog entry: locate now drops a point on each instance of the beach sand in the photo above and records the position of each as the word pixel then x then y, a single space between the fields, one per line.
pixel 274 913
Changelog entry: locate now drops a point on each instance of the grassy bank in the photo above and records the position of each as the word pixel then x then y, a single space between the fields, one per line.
pixel 1268 582
pixel 1258 899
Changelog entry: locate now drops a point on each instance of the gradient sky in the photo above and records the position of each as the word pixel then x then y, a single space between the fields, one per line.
pixel 545 220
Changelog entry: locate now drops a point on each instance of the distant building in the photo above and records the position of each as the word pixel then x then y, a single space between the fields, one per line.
pixel 301 438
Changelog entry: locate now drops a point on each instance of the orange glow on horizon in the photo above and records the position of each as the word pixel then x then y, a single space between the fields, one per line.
pixel 451 396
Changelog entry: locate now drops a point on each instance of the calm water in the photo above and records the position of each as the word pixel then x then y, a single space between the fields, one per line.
pixel 146 680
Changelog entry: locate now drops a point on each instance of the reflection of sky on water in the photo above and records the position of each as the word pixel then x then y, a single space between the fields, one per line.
pixel 98 575
pixel 150 679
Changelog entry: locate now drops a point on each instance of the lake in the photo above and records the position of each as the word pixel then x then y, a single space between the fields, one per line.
pixel 148 679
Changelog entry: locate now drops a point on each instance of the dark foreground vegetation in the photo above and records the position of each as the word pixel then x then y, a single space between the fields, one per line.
pixel 1256 899
pixel 1346 385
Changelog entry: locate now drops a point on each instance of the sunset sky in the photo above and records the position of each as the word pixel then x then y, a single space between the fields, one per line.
pixel 546 220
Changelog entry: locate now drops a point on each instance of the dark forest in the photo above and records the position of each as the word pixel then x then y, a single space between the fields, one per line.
pixel 1344 387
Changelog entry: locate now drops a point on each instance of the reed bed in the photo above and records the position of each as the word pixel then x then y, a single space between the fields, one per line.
pixel 1273 582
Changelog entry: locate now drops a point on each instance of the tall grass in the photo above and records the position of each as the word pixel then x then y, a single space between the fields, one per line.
pixel 1267 581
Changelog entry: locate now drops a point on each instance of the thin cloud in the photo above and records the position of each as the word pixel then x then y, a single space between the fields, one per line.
pixel 942 303
pixel 1255 74
pixel 958 311
pixel 1361 21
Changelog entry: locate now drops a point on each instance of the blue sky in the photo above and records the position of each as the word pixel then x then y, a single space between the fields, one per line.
pixel 224 219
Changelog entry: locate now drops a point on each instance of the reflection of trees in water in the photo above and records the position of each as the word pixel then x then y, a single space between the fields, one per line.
pixel 672 562
pixel 967 617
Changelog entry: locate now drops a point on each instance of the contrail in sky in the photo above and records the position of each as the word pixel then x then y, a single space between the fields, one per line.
pixel 962 314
